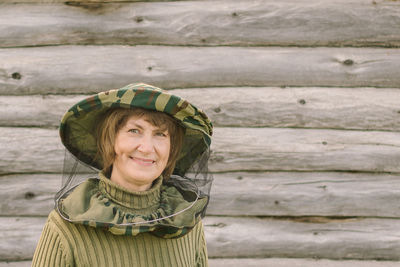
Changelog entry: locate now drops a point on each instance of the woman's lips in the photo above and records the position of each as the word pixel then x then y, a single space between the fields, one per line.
pixel 143 161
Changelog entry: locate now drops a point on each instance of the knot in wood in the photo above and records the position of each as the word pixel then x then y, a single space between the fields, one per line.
pixel 139 19
pixel 217 110
pixel 302 101
pixel 29 195
pixel 234 14
pixel 219 225
pixel 16 76
pixel 217 158
pixel 348 62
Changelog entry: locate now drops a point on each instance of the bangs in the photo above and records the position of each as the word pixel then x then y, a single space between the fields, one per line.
pixel 157 119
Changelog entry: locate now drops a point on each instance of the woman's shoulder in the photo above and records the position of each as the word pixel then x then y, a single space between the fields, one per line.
pixel 56 223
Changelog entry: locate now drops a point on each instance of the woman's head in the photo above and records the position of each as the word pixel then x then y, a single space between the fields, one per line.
pixel 140 140
pixel 80 124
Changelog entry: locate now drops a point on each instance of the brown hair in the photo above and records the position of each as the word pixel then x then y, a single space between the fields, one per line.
pixel 115 118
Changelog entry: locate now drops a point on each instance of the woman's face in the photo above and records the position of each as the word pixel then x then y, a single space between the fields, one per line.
pixel 141 154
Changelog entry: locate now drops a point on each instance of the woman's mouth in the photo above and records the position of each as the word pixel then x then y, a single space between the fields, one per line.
pixel 143 161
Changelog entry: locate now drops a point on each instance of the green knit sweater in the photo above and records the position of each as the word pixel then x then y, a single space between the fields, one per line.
pixel 63 243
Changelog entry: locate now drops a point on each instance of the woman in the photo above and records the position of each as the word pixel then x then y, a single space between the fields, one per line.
pixel 144 208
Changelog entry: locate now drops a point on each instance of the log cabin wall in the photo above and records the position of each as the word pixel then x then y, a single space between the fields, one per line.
pixel 304 96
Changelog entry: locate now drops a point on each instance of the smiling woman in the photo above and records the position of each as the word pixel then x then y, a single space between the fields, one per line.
pixel 141 154
pixel 144 206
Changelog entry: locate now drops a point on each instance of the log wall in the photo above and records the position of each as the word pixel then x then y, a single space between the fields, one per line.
pixel 304 96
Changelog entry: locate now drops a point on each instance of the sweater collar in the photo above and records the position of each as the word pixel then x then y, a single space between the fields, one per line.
pixel 149 199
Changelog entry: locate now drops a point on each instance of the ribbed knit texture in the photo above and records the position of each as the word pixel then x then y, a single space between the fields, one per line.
pixel 141 202
pixel 65 244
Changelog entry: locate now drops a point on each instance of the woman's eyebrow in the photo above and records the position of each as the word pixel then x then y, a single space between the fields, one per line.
pixel 134 124
pixel 156 128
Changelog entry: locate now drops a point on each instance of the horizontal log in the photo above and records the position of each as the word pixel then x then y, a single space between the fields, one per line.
pixel 333 108
pixel 243 194
pixel 36 150
pixel 16 264
pixel 261 23
pixel 80 69
pixel 364 239
pixel 82 3
pixel 305 194
pixel 29 194
pixel 282 262
pixel 30 150
pixel 275 262
pixel 35 110
pixel 256 149
pixel 19 237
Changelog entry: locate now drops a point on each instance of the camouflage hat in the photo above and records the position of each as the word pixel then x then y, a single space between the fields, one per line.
pixel 78 125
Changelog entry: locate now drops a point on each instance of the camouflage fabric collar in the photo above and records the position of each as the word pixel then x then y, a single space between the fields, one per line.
pixel 78 125
pixel 168 214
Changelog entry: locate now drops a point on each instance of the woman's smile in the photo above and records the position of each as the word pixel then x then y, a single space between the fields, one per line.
pixel 143 161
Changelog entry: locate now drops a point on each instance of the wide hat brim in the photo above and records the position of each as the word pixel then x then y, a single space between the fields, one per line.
pixel 78 125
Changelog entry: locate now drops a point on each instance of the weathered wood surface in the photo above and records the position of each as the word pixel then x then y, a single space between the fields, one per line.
pixel 35 110
pixel 259 23
pixel 29 194
pixel 242 194
pixel 36 150
pixel 305 194
pixel 258 149
pixel 85 69
pixel 275 262
pixel 15 264
pixel 83 3
pixel 229 237
pixel 30 150
pixel 334 108
pixel 334 239
pixel 281 262
pixel 19 236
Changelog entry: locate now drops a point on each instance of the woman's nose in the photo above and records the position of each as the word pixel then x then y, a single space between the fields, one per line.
pixel 146 144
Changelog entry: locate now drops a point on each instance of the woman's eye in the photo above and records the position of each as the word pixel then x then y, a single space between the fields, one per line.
pixel 133 130
pixel 161 134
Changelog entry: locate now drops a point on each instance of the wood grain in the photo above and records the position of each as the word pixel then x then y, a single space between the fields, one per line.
pixel 35 150
pixel 243 194
pixel 282 262
pixel 29 194
pixel 19 237
pixel 276 262
pixel 366 239
pixel 15 264
pixel 258 149
pixel 334 108
pixel 238 23
pixel 87 69
pixel 305 194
